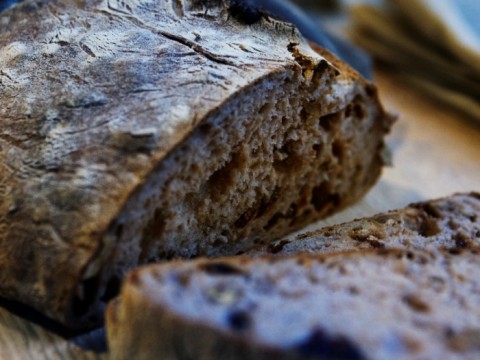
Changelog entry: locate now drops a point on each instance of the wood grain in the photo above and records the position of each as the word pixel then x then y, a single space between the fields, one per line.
pixel 436 152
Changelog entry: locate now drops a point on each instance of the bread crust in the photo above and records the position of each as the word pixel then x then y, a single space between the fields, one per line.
pixel 95 95
pixel 183 309
pixel 421 299
pixel 451 222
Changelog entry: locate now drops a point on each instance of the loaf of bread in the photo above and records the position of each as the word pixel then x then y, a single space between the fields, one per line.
pixel 138 131
pixel 365 304
pixel 450 222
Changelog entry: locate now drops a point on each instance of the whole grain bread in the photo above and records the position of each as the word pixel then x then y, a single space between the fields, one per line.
pixel 138 131
pixel 449 223
pixel 365 304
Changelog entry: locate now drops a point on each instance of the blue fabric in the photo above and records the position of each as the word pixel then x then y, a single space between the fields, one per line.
pixel 313 31
pixel 7 3
pixel 470 11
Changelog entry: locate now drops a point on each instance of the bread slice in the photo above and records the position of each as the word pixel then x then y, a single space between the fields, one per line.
pixel 449 222
pixel 137 131
pixel 367 304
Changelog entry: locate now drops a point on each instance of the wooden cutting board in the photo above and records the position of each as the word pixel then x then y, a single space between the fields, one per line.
pixel 435 152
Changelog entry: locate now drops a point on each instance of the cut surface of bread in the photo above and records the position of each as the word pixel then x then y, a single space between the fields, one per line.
pixel 448 222
pixel 367 304
pixel 138 131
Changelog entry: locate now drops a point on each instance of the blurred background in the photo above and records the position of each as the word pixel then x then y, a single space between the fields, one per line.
pixel 432 45
pixel 424 56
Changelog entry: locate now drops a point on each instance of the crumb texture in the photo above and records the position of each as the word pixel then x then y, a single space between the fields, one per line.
pixel 138 131
pixel 452 223
pixel 368 304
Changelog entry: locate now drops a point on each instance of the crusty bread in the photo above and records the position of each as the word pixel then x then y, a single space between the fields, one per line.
pixel 448 223
pixel 366 304
pixel 137 131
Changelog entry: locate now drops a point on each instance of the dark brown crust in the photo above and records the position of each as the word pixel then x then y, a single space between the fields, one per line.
pixel 98 94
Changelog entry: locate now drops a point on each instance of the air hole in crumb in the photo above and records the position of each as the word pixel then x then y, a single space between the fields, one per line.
pixel 328 122
pixel 223 178
pixel 410 255
pixel 289 159
pixel 301 261
pixel 428 227
pixel 416 304
pixel 156 224
pixel 304 196
pixel 348 110
pixel 292 212
pixel 304 114
pixel 338 149
pixel 321 197
pixel 245 218
pixel 452 224
pixel 273 221
pixel 266 108
pixel 239 320
pixel 220 268
pixel 268 202
pixel 354 290
pixel 432 210
pixel 359 111
pixel 153 230
pixel 465 340
pixel 455 251
pixel 276 247
pixel 462 241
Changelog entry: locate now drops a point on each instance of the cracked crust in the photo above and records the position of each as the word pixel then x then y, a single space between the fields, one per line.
pixel 121 118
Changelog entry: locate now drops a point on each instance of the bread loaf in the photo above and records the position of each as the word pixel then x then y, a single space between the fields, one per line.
pixel 138 131
pixel 449 223
pixel 366 304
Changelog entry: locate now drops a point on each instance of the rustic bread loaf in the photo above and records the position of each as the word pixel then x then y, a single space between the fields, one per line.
pixel 367 304
pixel 136 131
pixel 449 222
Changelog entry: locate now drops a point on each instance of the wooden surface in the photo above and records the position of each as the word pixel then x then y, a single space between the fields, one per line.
pixel 435 153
